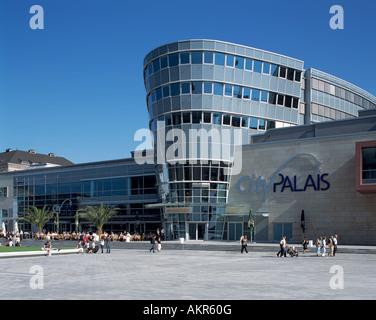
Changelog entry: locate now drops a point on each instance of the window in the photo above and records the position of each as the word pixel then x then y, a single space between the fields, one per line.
pixel 219 59
pixel 245 122
pixel 271 124
pixel 255 95
pixel 290 74
pixel 274 70
pixel 164 63
pixel 257 66
pixel 196 57
pixel 196 117
pixel 369 165
pixel 207 117
pixel 173 59
pixel 264 96
pixel 253 123
pixel 4 192
pixel 208 57
pixel 185 87
pixel 176 118
pixel 298 75
pixel 156 66
pixel 266 68
pixel 158 93
pixel 235 121
pixel 282 72
pixel 216 118
pixel 150 68
pixel 246 93
pixel 205 174
pixel 175 89
pixel 288 101
pixel 237 92
pixel 262 124
pixel 208 87
pixel 230 61
pixel 166 91
pixel 196 87
pixel 186 117
pixel 280 99
pixel 226 119
pixel 196 172
pixel 214 174
pixel 184 58
pixel 228 90
pixel 295 103
pixel 248 64
pixel 218 89
pixel 239 62
pixel 168 120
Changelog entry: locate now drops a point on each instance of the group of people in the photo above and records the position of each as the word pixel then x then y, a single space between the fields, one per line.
pixel 96 242
pixel 321 246
pixel 13 239
pixel 156 243
pixel 322 243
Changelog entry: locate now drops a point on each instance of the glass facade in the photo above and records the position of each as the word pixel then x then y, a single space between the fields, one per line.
pixel 119 184
pixel 214 87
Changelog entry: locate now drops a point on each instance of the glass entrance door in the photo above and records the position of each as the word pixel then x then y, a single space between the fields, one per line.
pixel 197 231
pixel 235 230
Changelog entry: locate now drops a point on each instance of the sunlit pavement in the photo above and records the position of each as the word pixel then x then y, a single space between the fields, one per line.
pixel 188 274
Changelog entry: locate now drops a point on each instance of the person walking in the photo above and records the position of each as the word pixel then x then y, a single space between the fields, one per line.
pixel 102 244
pixel 152 244
pixel 335 242
pixel 284 247
pixel 280 248
pixel 159 244
pixel 323 247
pixel 108 244
pixel 244 244
pixel 318 245
pixel 331 247
pixel 305 245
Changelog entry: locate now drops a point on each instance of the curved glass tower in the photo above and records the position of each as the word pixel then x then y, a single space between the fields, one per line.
pixel 204 97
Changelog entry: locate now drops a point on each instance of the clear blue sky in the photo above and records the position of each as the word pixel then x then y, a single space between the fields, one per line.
pixel 76 87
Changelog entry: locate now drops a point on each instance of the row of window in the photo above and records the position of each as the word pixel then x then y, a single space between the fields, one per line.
pixel 221 59
pixel 197 173
pixel 202 117
pixel 323 111
pixel 93 188
pixel 341 93
pixel 186 192
pixel 221 89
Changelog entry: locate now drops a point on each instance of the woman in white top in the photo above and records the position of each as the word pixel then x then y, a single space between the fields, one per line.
pixel 323 246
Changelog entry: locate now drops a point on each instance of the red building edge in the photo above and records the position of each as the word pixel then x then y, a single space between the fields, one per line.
pixel 359 186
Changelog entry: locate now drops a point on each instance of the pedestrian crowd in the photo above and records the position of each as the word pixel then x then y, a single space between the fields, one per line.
pixel 322 245
pixel 13 239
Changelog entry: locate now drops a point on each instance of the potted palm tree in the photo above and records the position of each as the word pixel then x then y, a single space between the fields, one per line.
pixel 97 215
pixel 38 217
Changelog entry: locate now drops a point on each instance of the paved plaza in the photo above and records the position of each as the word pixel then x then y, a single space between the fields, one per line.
pixel 188 275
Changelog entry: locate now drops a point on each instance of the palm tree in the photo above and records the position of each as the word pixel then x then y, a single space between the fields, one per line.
pixel 98 215
pixel 38 217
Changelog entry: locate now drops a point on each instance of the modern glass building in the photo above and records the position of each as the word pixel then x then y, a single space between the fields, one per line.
pixel 204 97
pixel 65 189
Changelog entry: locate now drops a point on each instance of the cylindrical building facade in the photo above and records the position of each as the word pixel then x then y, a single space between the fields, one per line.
pixel 203 98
